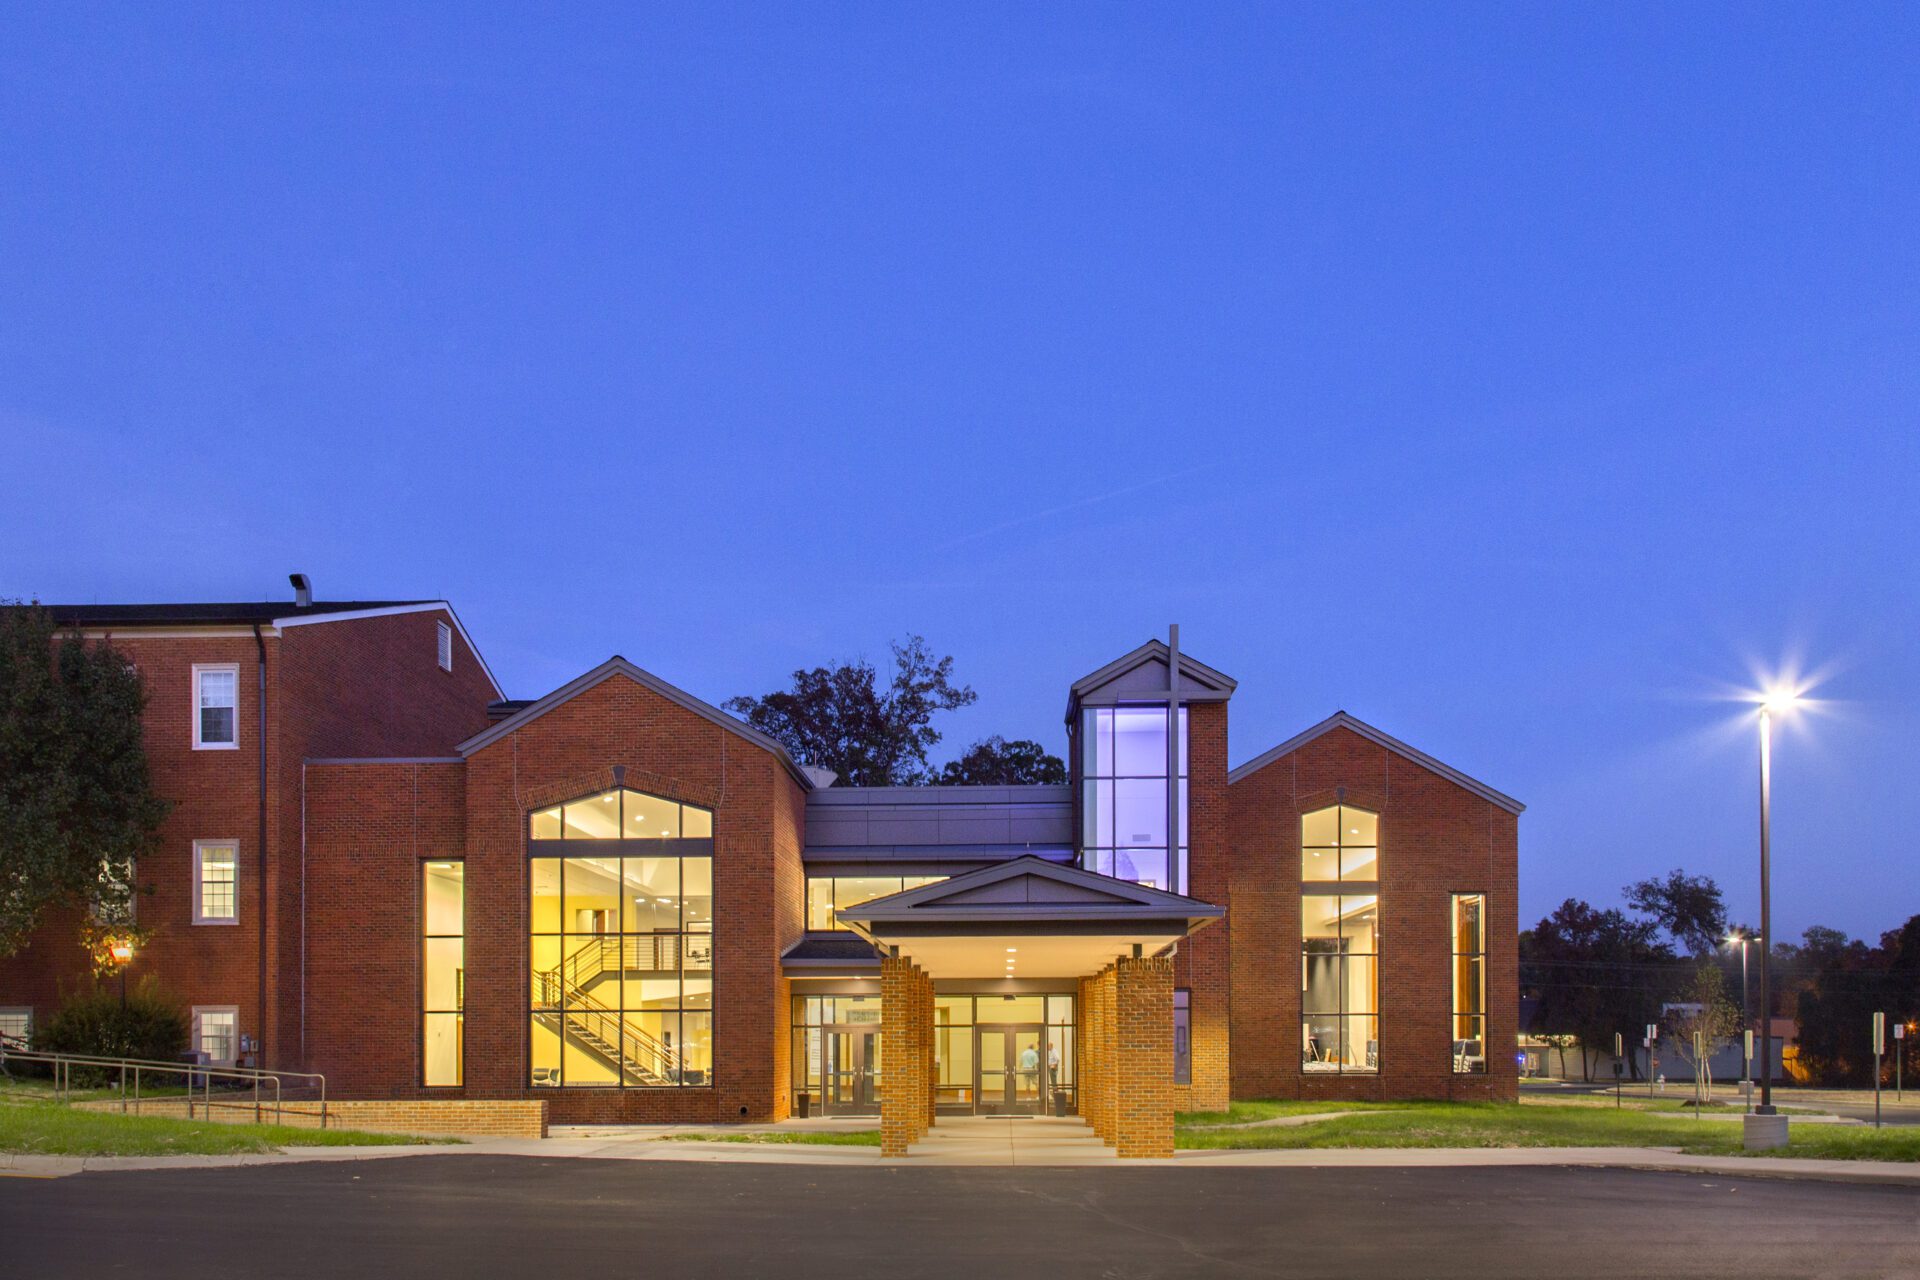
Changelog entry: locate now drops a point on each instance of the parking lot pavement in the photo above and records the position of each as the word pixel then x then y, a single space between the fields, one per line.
pixel 477 1215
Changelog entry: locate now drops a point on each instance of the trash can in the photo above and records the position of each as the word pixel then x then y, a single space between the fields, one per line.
pixel 802 1105
pixel 1061 1103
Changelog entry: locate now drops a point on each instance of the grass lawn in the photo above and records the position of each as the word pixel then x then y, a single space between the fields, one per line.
pixel 44 1128
pixel 817 1138
pixel 1534 1124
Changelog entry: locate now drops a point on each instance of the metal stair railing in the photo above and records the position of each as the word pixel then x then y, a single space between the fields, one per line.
pixel 197 1075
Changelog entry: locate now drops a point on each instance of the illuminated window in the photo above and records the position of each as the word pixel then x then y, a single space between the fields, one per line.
pixel 1469 983
pixel 1339 983
pixel 1123 795
pixel 443 973
pixel 216 869
pixel 1339 843
pixel 827 894
pixel 216 1033
pixel 216 706
pixel 621 955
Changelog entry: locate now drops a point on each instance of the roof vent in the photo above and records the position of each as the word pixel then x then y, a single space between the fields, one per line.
pixel 302 589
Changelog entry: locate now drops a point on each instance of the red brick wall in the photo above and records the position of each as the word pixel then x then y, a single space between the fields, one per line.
pixel 669 751
pixel 1202 964
pixel 1436 839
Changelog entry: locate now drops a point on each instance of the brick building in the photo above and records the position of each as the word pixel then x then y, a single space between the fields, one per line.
pixel 625 902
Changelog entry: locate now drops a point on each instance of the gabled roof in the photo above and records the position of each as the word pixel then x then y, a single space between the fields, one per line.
pixel 1341 720
pixel 267 613
pixel 619 666
pixel 1198 681
pixel 1029 889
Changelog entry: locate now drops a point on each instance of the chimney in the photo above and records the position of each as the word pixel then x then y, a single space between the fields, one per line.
pixel 302 589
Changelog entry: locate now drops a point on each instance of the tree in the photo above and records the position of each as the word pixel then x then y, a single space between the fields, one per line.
pixel 838 718
pixel 1689 908
pixel 1701 1007
pixel 77 807
pixel 1840 983
pixel 996 762
pixel 1594 973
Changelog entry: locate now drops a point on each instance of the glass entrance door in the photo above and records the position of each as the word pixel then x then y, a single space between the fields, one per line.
pixel 849 1071
pixel 1009 1059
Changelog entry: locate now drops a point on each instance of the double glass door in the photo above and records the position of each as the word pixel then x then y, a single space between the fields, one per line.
pixel 849 1071
pixel 1011 1071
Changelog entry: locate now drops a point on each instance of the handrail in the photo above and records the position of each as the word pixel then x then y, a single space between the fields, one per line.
pixel 204 1075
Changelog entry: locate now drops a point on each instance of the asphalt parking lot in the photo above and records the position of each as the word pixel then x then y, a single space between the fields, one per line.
pixel 489 1216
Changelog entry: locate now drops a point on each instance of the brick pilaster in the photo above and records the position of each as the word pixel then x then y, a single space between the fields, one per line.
pixel 1142 1035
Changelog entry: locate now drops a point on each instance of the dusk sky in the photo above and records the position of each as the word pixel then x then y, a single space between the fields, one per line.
pixel 1522 381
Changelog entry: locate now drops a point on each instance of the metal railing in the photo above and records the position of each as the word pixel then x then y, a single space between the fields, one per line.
pixel 197 1076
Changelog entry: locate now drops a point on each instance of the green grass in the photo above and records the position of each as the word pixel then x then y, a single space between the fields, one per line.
pixel 45 1128
pixel 1468 1124
pixel 1269 1109
pixel 813 1138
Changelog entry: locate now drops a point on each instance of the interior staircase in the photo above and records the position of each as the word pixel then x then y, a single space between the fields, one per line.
pixel 587 1023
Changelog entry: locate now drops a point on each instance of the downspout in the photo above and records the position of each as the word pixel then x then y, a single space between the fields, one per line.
pixel 260 842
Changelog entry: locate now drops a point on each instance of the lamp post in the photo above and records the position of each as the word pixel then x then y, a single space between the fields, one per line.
pixel 122 953
pixel 1775 702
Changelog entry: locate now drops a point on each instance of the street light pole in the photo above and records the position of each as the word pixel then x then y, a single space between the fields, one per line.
pixel 1766 911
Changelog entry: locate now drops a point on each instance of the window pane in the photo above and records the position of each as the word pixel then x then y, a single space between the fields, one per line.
pixel 1469 984
pixel 1140 813
pixel 1059 1009
pixel 544 963
pixel 546 824
pixel 1012 1009
pixel 1469 924
pixel 651 895
pixel 1320 865
pixel 695 823
pixel 1097 754
pixel 649 817
pixel 697 993
pixel 590 1055
pixel 1321 828
pixel 545 1038
pixel 593 895
pixel 1359 864
pixel 696 885
pixel 654 991
pixel 595 818
pixel 1142 866
pixel 216 724
pixel 1358 827
pixel 1320 923
pixel 696 1048
pixel 545 914
pixel 441 1049
pixel 851 891
pixel 217 870
pixel 820 903
pixel 444 908
pixel 443 977
pixel 590 973
pixel 1140 741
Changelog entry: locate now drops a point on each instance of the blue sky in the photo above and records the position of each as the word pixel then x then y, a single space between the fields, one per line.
pixel 1517 380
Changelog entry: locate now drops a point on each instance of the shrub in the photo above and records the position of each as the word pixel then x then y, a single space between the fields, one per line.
pixel 151 1026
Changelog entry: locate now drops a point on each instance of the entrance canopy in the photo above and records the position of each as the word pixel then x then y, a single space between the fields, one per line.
pixel 1027 918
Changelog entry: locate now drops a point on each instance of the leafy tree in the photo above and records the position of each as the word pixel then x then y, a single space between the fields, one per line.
pixel 839 718
pixel 996 762
pixel 1840 982
pixel 1594 973
pixel 1689 908
pixel 77 807
pixel 1701 1007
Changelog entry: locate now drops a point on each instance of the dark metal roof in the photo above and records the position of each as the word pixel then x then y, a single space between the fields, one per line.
pixel 852 823
pixel 831 948
pixel 180 615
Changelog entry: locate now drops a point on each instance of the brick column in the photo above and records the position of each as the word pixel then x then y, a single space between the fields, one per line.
pixel 1142 1004
pixel 899 1058
pixel 929 1076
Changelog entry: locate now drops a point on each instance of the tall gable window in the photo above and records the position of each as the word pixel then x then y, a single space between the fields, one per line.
pixel 621 946
pixel 216 705
pixel 1339 941
pixel 1123 801
pixel 1469 983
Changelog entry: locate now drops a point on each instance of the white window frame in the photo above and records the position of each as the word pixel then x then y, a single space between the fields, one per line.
pixel 19 1011
pixel 444 648
pixel 205 668
pixel 200 848
pixel 199 1040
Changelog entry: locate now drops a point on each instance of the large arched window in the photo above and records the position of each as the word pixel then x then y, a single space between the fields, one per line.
pixel 621 942
pixel 1339 940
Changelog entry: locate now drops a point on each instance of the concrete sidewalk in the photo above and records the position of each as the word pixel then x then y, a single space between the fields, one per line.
pixel 983 1142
